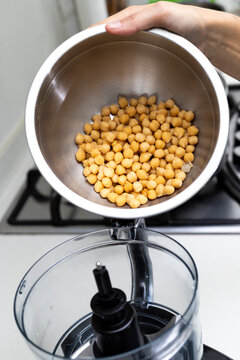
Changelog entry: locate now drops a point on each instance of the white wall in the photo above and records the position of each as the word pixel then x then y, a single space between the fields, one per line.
pixel 29 31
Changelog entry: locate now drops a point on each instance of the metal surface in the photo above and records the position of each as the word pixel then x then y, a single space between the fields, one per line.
pixel 90 70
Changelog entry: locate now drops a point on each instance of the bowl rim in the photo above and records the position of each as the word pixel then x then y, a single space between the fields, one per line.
pixel 109 211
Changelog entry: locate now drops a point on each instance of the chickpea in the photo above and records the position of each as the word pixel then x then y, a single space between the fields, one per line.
pixel 169 104
pixel 128 153
pixel 122 179
pixel 179 132
pixel 176 183
pixel 141 108
pixel 107 182
pixel 80 155
pixel 135 158
pixel 132 177
pixel 127 163
pixel 119 113
pixel 131 110
pixel 133 102
pixel 163 111
pixel 121 200
pixel 176 121
pixel 108 172
pixel 151 194
pixel 97 118
pixel 142 199
pixel 117 147
pixel 192 130
pixel 186 124
pixel 189 116
pixel 112 197
pixel 177 163
pixel 119 189
pixel 146 131
pixel 159 153
pixel 120 170
pixel 166 136
pixel 188 157
pixel 118 157
pixel 190 148
pixel 122 136
pixel 128 186
pixel 79 139
pixel 134 146
pixel 115 178
pixel 180 175
pixel 161 118
pixel 104 192
pixel 98 186
pixel 124 118
pixel 153 115
pixel 144 146
pixel 109 156
pixel 154 125
pixel 146 166
pixel 112 164
pixel 104 125
pixel 105 148
pixel 86 171
pixel 169 174
pixel 144 157
pixel 160 180
pixel 134 203
pixel 85 163
pixel 94 168
pixel 161 170
pixel 92 179
pixel 106 118
pixel 161 105
pixel 151 185
pixel 193 140
pixel 113 109
pixel 131 138
pixel 140 137
pixel 133 122
pixel 159 190
pixel 153 107
pixel 87 128
pixel 105 111
pixel 174 110
pixel 165 127
pixel 145 122
pixel 180 152
pixel 183 142
pixel 91 161
pixel 141 174
pixel 99 159
pixel 136 129
pixel 136 166
pixel 122 102
pixel 151 100
pixel 137 186
pixel 169 158
pixel 168 190
pixel 142 100
pixel 155 162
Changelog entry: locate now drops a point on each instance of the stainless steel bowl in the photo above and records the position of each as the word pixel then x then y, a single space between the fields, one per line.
pixel 92 69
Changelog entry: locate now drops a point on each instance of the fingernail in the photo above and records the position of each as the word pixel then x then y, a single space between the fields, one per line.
pixel 114 25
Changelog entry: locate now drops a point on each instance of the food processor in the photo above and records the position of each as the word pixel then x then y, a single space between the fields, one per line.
pixel 123 292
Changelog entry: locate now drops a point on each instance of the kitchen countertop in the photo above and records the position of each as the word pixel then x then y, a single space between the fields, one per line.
pixel 217 260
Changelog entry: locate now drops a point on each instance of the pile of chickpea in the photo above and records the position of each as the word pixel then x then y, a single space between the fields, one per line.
pixel 138 150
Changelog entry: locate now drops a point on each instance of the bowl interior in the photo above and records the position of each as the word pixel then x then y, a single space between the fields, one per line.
pixel 94 72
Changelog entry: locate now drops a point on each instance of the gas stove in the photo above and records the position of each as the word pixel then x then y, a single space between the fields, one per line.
pixel 215 209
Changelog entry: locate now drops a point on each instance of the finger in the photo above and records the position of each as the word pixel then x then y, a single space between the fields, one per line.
pixel 121 14
pixel 145 17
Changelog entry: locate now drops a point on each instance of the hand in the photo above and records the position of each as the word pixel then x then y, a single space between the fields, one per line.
pixel 215 33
